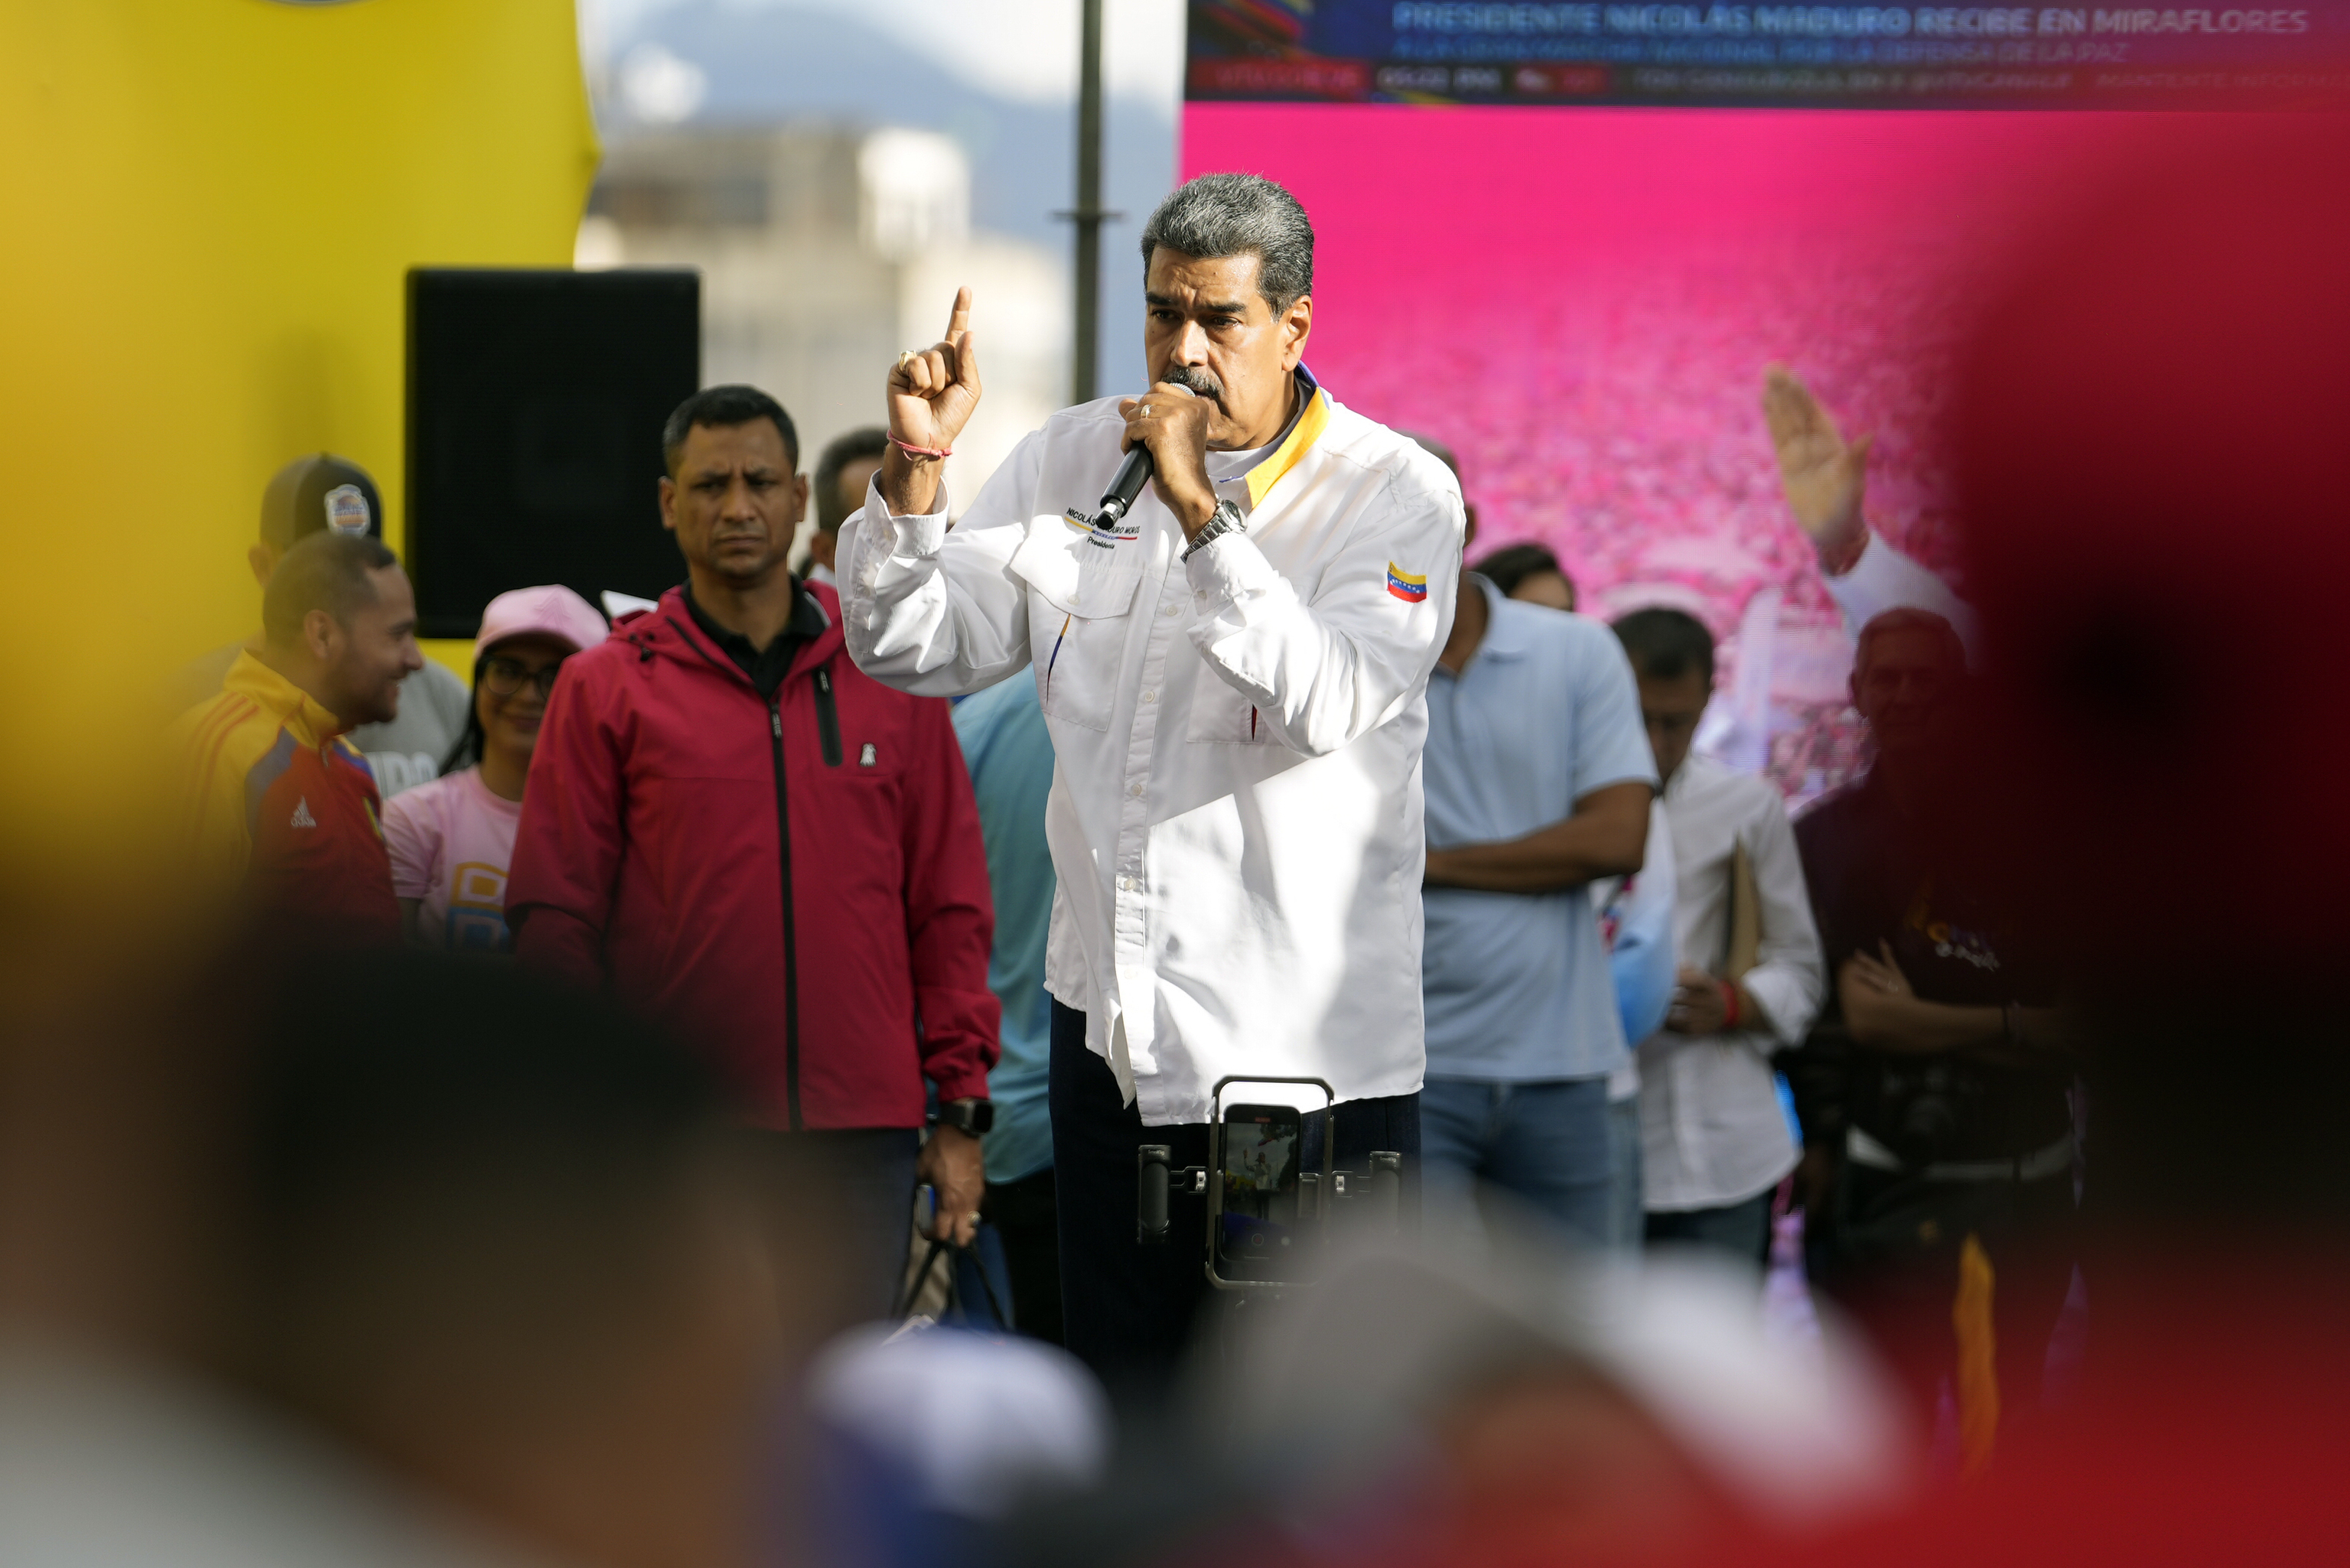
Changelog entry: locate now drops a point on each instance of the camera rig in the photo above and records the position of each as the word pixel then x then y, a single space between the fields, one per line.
pixel 1372 1197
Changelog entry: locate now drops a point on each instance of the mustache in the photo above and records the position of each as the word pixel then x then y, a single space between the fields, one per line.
pixel 1196 380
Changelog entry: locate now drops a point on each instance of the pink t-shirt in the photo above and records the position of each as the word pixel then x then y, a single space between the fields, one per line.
pixel 451 843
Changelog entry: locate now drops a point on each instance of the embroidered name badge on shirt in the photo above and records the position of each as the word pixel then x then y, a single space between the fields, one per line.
pixel 1107 538
pixel 1411 590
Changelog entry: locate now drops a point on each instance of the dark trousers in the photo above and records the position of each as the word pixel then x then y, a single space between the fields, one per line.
pixel 1891 1263
pixel 852 1191
pixel 1128 1309
pixel 1743 1230
pixel 1023 1215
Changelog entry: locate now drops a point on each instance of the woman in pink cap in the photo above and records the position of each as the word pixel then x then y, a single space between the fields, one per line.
pixel 452 840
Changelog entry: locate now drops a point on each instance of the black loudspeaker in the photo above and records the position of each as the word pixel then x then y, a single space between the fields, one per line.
pixel 535 409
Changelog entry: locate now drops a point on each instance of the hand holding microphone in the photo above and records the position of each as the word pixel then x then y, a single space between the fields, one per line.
pixel 1167 444
pixel 1125 487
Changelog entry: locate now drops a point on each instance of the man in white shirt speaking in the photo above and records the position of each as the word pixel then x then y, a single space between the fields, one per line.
pixel 1234 678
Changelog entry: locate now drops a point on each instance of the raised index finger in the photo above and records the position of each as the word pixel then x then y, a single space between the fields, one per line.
pixel 959 318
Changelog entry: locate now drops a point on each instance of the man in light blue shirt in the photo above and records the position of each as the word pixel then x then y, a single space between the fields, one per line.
pixel 1010 759
pixel 1538 778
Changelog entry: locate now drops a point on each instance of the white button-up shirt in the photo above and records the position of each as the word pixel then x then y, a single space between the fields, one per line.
pixel 1712 1130
pixel 1235 814
pixel 1884 579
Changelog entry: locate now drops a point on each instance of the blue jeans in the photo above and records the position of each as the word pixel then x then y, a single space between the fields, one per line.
pixel 1545 1144
pixel 1629 1223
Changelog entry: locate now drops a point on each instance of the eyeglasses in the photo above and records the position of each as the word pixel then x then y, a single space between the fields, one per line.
pixel 507 677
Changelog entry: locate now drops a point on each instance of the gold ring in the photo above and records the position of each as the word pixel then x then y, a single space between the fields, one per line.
pixel 905 358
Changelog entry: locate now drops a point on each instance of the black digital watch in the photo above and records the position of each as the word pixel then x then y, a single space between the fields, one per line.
pixel 972 1116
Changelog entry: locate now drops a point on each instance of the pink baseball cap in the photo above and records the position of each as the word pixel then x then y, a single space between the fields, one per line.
pixel 552 611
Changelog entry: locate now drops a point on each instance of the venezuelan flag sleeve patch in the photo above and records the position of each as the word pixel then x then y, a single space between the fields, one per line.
pixel 1406 586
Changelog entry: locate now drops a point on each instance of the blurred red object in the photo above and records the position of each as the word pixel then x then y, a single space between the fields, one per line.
pixel 2149 431
pixel 2196 1444
pixel 2149 440
pixel 2199 1442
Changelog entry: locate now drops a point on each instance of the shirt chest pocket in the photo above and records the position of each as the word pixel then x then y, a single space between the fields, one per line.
pixel 1079 593
pixel 1222 714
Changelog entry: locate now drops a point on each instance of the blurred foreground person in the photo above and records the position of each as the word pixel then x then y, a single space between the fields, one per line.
pixel 729 825
pixel 323 493
pixel 453 839
pixel 1232 674
pixel 927 1441
pixel 110 1465
pixel 502 1241
pixel 470 1274
pixel 1714 1139
pixel 1538 784
pixel 280 808
pixel 1948 1231
pixel 1533 1406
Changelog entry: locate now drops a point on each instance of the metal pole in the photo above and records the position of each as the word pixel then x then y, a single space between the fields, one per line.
pixel 1089 213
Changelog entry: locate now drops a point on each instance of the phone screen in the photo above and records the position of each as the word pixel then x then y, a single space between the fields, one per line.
pixel 1256 1237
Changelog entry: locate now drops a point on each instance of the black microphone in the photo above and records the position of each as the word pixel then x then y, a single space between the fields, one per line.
pixel 1118 498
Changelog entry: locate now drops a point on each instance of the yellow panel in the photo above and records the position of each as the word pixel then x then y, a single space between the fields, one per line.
pixel 212 205
pixel 455 653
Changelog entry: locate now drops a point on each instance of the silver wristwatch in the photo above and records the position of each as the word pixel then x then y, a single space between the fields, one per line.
pixel 1226 520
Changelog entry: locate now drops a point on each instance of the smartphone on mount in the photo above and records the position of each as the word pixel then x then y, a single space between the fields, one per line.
pixel 1257 1235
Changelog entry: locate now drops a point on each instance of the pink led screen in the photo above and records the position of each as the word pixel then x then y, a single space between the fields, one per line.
pixel 1581 302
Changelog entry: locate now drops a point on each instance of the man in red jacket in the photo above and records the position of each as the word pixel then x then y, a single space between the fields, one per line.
pixel 731 826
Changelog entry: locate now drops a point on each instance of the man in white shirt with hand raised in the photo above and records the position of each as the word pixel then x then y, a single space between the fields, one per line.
pixel 1235 679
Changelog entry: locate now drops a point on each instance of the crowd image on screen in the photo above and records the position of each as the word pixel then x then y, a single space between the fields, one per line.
pixel 752 1079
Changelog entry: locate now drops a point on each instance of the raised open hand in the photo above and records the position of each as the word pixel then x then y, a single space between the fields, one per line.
pixel 1823 474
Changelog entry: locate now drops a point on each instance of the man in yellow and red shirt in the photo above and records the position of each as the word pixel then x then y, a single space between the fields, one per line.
pixel 281 809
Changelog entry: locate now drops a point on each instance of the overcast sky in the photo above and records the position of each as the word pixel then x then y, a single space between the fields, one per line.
pixel 1025 49
pixel 1000 75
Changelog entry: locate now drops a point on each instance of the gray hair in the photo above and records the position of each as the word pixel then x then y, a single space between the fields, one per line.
pixel 1219 215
